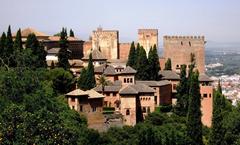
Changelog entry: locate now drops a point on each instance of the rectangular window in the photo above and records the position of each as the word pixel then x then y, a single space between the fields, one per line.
pixel 114 94
pixel 73 99
pixel 210 95
pixel 144 110
pixel 94 109
pixel 81 108
pixel 174 86
pixel 131 80
pixel 205 95
pixel 107 94
pixel 127 80
pixel 155 99
pixel 124 80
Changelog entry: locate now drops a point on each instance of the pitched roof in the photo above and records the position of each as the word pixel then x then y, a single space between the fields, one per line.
pixel 105 69
pixel 77 92
pixel 111 88
pixel 27 31
pixel 128 70
pixel 96 55
pixel 154 83
pixel 93 94
pixel 168 74
pixel 109 70
pixel 57 38
pixel 204 78
pixel 136 89
pixel 55 50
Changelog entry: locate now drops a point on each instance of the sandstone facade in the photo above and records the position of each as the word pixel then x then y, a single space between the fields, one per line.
pixel 148 38
pixel 180 48
pixel 106 41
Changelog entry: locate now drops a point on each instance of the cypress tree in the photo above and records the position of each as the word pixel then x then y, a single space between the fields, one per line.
pixel 63 54
pixel 181 107
pixel 137 50
pixel 90 79
pixel 2 45
pixel 194 125
pixel 217 130
pixel 142 65
pixel 154 66
pixel 71 34
pixel 9 59
pixel 18 45
pixel 82 79
pixel 168 64
pixel 52 65
pixel 38 52
pixel 131 56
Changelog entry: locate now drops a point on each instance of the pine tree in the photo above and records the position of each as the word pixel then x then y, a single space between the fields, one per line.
pixel 154 66
pixel 131 56
pixel 142 65
pixel 217 130
pixel 90 79
pixel 71 34
pixel 194 125
pixel 2 46
pixel 18 44
pixel 82 79
pixel 168 64
pixel 9 48
pixel 63 54
pixel 181 107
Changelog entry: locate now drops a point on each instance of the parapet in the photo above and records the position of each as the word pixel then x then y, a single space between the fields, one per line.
pixel 184 37
pixel 147 31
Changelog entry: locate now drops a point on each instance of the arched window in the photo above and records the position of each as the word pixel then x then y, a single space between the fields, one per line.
pixel 127 112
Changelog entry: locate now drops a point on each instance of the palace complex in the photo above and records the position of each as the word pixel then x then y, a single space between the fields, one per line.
pixel 127 97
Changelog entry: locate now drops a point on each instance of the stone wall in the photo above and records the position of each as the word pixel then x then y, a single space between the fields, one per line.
pixel 180 48
pixel 124 49
pixel 107 42
pixel 148 38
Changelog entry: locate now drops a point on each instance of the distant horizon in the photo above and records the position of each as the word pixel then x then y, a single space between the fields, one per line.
pixel 217 20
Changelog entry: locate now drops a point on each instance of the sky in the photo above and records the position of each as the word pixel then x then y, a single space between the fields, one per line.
pixel 217 20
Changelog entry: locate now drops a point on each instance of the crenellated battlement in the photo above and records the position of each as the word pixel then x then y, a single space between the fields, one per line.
pixel 184 38
pixel 155 31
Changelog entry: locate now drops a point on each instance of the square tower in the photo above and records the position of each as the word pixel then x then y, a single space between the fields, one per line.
pixel 148 38
pixel 180 48
pixel 107 42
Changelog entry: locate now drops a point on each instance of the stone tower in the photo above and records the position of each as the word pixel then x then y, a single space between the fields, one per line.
pixel 148 38
pixel 106 41
pixel 180 48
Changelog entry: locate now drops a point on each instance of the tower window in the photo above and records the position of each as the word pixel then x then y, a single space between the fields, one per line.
pixel 189 43
pixel 127 112
pixel 181 43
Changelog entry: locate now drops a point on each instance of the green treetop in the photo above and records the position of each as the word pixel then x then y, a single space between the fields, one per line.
pixel 63 54
pixel 71 34
pixel 131 56
pixel 168 64
pixel 142 65
pixel 154 65
pixel 2 45
pixel 194 124
pixel 90 79
pixel 181 107
pixel 18 45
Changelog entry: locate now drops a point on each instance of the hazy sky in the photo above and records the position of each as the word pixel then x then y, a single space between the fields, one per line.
pixel 218 20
